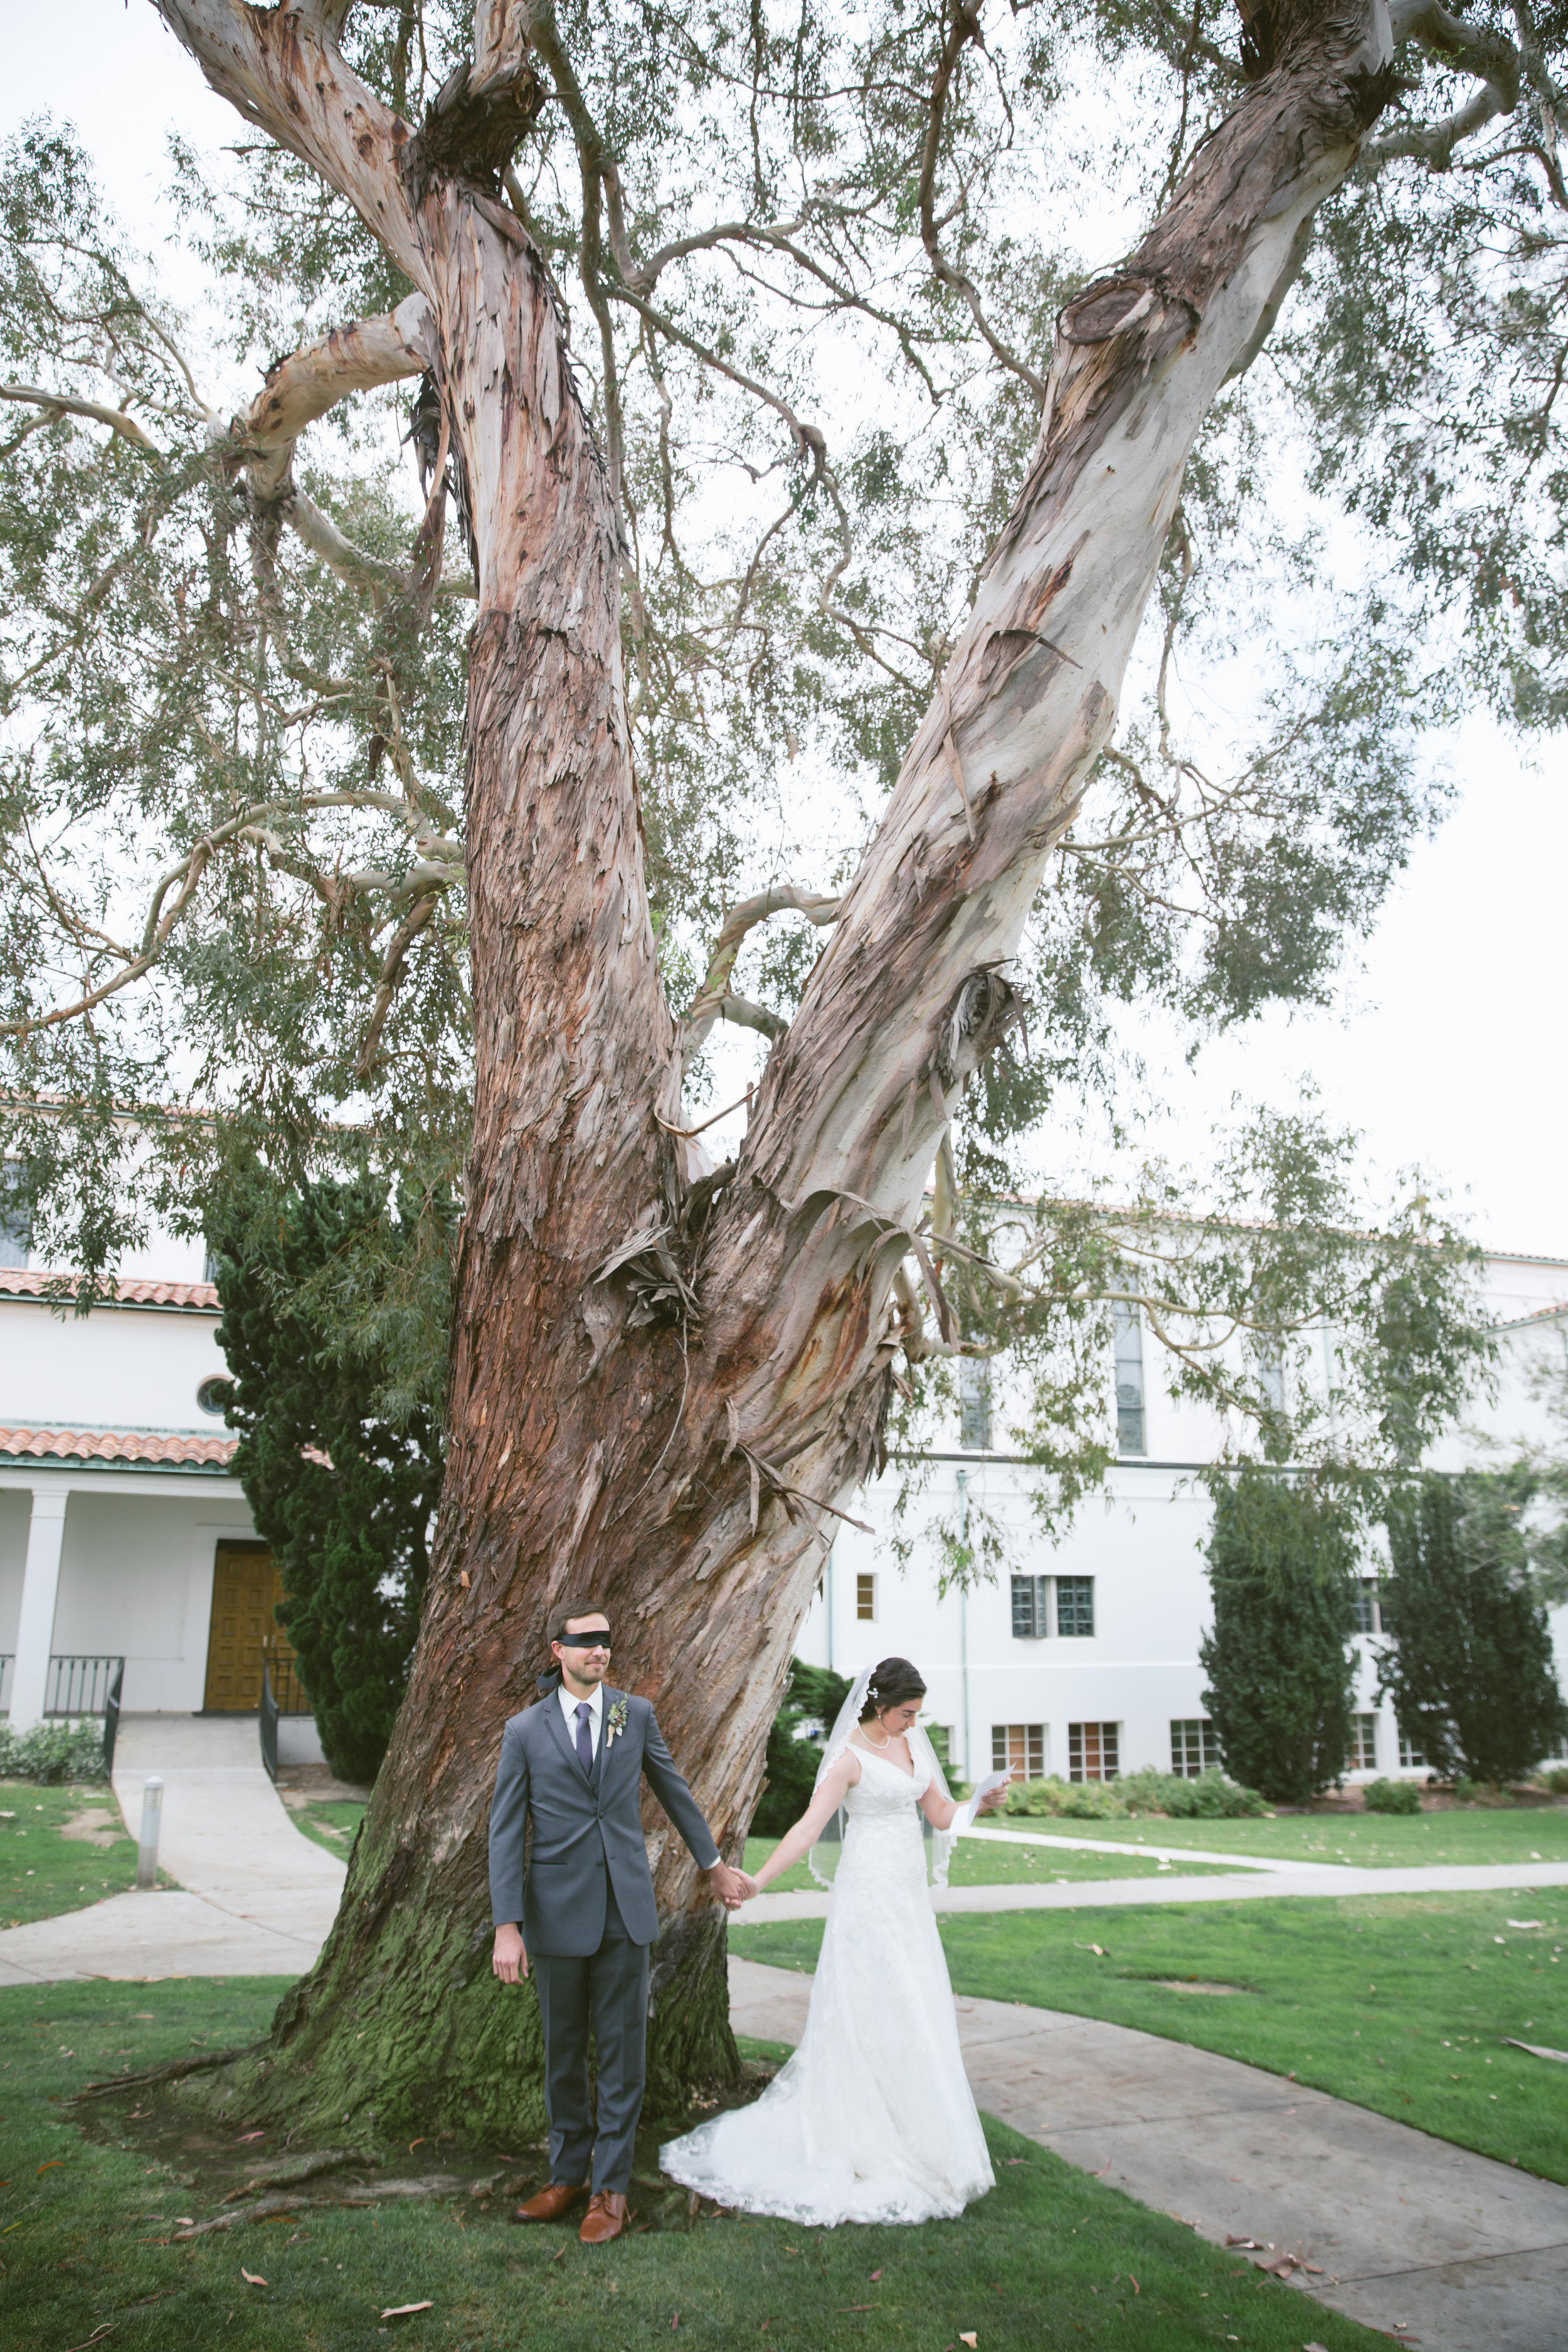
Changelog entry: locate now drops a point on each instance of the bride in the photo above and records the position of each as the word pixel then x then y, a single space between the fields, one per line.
pixel 872 2119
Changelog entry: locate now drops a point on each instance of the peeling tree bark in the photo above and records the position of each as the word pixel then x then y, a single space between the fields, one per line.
pixel 677 1435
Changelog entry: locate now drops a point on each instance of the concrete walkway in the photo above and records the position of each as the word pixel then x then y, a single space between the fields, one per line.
pixel 1309 1879
pixel 1470 2255
pixel 1155 1852
pixel 255 1896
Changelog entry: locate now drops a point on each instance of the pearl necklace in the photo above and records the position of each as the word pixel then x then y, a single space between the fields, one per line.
pixel 885 1742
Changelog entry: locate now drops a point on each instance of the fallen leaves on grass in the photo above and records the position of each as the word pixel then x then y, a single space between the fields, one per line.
pixel 1536 2050
pixel 875 2276
pixel 97 2337
pixel 251 2278
pixel 971 2339
pixel 402 2310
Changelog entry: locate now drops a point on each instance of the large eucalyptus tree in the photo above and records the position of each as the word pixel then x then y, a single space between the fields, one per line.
pixel 666 1378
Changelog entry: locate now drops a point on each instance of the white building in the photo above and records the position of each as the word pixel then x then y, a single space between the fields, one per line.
pixel 123 1535
pixel 1086 1662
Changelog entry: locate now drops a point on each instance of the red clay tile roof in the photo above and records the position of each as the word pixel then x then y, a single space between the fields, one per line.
pixel 155 1449
pixel 23 1282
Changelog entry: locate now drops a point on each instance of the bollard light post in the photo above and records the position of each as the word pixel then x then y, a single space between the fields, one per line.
pixel 151 1822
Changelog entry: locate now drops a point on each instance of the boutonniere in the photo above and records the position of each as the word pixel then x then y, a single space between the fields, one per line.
pixel 616 1721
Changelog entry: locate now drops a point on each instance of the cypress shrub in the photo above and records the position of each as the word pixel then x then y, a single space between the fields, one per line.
pixel 1281 1677
pixel 813 1693
pixel 342 1483
pixel 1469 1660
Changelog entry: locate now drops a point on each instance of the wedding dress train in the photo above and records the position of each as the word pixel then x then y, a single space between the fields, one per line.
pixel 872 2119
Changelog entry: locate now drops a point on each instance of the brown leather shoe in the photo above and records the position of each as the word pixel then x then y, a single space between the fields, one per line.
pixel 551 2202
pixel 606 2218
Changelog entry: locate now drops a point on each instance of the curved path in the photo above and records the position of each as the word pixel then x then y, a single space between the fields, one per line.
pixel 255 1897
pixel 1404 2231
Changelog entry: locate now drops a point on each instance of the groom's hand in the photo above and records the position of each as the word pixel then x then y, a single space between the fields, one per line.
pixel 729 1885
pixel 510 1959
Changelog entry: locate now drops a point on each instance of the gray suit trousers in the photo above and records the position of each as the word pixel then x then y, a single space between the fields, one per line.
pixel 606 1990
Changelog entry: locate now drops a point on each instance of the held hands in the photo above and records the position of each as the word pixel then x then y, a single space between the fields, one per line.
pixel 731 1887
pixel 510 1959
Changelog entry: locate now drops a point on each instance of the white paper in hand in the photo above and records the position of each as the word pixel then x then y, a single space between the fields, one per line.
pixel 983 1788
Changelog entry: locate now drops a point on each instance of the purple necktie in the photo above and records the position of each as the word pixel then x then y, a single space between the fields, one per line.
pixel 584 1738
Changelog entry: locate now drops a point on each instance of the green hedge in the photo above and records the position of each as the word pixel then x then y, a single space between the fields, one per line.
pixel 1211 1796
pixel 1391 1797
pixel 52 1751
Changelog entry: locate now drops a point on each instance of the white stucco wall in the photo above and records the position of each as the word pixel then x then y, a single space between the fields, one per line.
pixel 136 1578
pixel 117 1368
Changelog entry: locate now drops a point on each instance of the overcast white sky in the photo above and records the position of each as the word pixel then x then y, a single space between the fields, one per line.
pixel 1447 1056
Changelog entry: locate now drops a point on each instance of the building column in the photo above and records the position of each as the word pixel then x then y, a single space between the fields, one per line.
pixel 36 1627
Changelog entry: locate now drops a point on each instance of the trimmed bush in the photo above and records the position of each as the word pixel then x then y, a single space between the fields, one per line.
pixel 1391 1797
pixel 52 1752
pixel 1212 1797
pixel 1556 1782
pixel 1073 1801
pixel 1481 1792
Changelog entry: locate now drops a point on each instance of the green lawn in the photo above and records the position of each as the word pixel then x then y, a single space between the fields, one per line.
pixel 1401 2002
pixel 43 1873
pixel 89 2255
pixel 977 1863
pixel 1388 1840
pixel 330 1822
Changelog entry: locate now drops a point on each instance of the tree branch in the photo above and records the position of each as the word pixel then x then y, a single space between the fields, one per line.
pixel 1466 48
pixel 312 380
pixel 280 69
pixel 65 403
pixel 964 28
pixel 713 1001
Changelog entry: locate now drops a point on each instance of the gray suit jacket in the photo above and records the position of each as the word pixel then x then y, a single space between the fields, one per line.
pixel 558 1836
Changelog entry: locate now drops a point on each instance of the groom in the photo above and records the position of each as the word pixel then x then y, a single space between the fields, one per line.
pixel 570 1886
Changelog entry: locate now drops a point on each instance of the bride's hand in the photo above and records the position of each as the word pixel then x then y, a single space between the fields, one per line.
pixel 748 1886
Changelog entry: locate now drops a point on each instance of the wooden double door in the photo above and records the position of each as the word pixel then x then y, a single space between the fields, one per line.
pixel 247 1589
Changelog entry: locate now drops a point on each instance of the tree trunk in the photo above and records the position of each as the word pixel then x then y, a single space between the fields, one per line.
pixel 675 1436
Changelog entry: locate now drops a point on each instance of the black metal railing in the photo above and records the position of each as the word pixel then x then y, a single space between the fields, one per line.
pixel 289 1694
pixel 269 1723
pixel 78 1686
pixel 282 1693
pixel 111 1719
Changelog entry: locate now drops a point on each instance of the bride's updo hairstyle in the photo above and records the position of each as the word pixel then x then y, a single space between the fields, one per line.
pixel 894 1682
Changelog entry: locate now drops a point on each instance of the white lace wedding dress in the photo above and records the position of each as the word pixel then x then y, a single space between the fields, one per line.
pixel 872 2119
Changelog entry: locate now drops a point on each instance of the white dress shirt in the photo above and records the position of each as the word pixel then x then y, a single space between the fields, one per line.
pixel 595 1705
